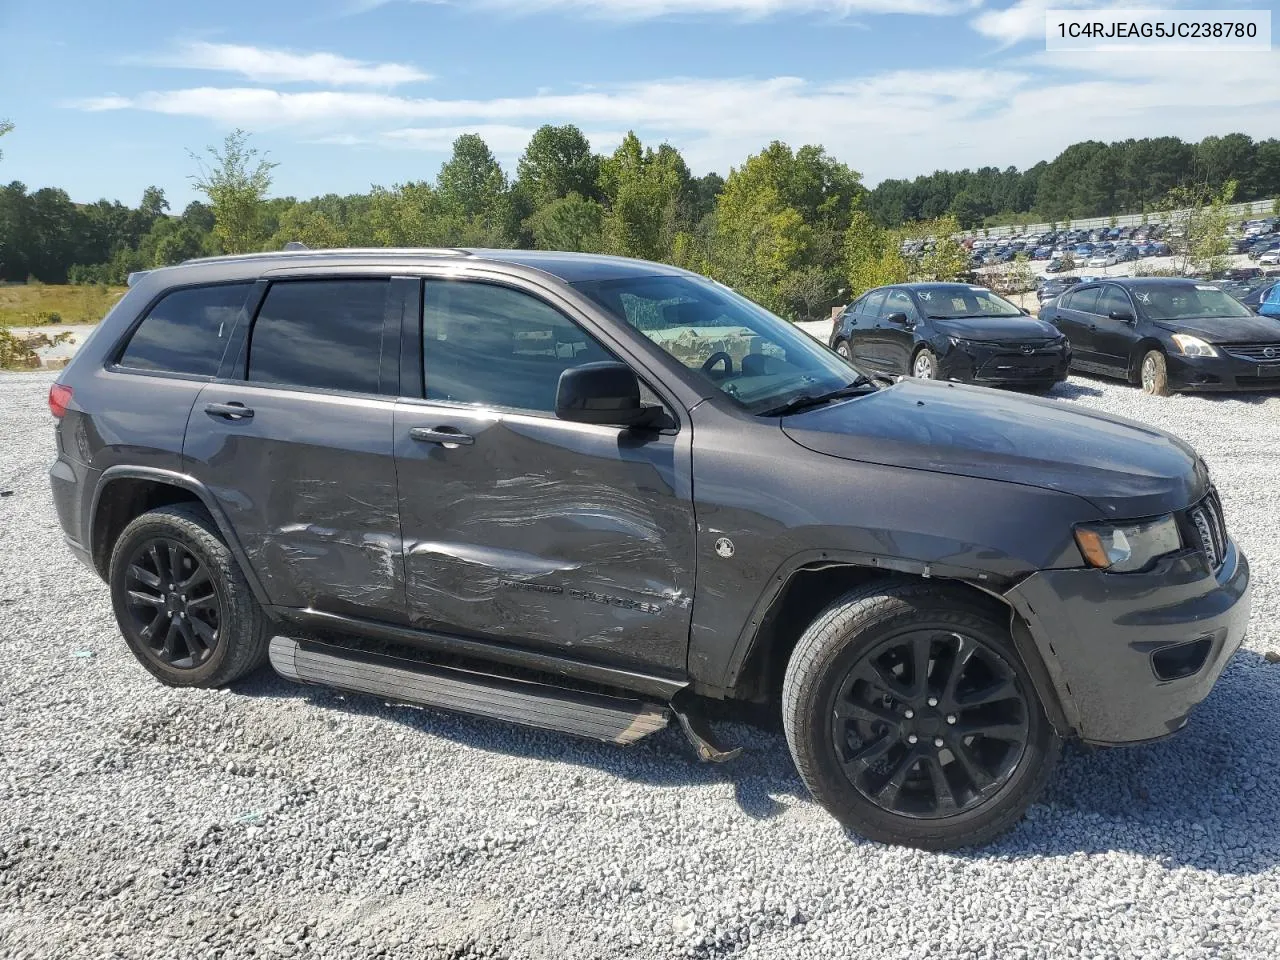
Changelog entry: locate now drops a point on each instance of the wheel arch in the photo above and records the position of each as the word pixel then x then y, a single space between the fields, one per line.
pixel 126 492
pixel 1139 351
pixel 759 662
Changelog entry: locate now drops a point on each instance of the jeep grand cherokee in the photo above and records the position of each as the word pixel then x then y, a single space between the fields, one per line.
pixel 591 494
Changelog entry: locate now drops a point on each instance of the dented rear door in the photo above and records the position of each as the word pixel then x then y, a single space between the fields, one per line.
pixel 295 444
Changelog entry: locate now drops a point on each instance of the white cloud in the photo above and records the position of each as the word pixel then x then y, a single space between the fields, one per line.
pixel 264 65
pixel 893 124
pixel 1024 20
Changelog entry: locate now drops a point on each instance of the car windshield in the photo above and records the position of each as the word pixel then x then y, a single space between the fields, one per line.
pixel 759 360
pixel 952 301
pixel 1183 301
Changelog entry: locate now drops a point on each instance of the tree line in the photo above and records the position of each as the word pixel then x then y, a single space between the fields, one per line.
pixel 795 230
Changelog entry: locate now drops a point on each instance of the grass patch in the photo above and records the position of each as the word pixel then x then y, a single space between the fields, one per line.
pixel 40 304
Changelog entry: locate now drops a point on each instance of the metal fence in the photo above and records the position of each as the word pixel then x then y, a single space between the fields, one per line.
pixel 1255 208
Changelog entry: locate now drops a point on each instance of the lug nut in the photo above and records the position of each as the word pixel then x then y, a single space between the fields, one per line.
pixel 912 739
pixel 938 743
pixel 933 701
pixel 909 714
pixel 951 718
pixel 183 598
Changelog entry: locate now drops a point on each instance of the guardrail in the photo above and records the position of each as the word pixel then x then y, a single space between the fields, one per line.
pixel 1253 208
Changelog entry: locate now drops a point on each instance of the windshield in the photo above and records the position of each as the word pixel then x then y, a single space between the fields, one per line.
pixel 951 301
pixel 759 360
pixel 1183 301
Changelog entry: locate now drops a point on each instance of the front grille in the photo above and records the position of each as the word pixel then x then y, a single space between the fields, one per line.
pixel 1206 519
pixel 1254 352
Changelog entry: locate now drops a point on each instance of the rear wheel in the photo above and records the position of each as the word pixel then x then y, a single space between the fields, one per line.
pixel 912 719
pixel 1155 374
pixel 925 365
pixel 182 602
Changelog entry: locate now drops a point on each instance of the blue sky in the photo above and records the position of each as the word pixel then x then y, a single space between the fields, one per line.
pixel 109 97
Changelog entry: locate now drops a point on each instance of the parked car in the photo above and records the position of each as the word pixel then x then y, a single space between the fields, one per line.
pixel 1270 257
pixel 587 493
pixel 1051 287
pixel 950 331
pixel 1168 335
pixel 1263 297
pixel 1102 260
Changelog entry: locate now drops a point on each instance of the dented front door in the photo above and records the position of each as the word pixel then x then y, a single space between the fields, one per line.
pixel 573 538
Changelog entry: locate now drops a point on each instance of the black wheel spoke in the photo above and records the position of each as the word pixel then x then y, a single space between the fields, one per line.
pixel 870 753
pixel 964 653
pixel 150 600
pixel 979 777
pixel 203 603
pixel 203 631
pixel 154 552
pixel 175 564
pixel 850 710
pixel 942 794
pixel 166 651
pixel 1001 689
pixel 875 674
pixel 1014 732
pixel 199 577
pixel 145 577
pixel 887 795
pixel 921 649
pixel 149 631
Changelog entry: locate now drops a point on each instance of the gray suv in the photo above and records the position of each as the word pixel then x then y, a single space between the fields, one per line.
pixel 593 494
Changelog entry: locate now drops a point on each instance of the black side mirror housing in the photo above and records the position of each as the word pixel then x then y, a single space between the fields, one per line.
pixel 606 393
pixel 899 318
pixel 1123 315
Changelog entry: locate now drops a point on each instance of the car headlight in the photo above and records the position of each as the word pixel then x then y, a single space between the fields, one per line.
pixel 1125 548
pixel 1193 346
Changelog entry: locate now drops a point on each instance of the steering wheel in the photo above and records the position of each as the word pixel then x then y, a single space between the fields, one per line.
pixel 718 357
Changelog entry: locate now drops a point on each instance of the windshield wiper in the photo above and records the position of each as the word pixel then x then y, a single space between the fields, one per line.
pixel 805 401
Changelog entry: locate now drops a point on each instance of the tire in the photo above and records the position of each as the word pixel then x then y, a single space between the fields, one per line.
pixel 842 348
pixel 1154 374
pixel 209 630
pixel 861 630
pixel 924 365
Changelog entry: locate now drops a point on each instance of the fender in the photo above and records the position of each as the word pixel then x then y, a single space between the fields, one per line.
pixel 191 484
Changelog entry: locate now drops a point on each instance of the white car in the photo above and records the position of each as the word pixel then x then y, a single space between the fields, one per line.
pixel 1102 260
pixel 1270 257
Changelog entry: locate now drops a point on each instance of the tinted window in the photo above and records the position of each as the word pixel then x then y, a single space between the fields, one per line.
pixel 1182 301
pixel 494 346
pixel 898 301
pixel 320 333
pixel 871 303
pixel 187 331
pixel 1085 300
pixel 1112 298
pixel 949 301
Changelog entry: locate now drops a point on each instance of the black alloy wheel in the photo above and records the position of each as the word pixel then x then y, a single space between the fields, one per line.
pixel 930 724
pixel 173 603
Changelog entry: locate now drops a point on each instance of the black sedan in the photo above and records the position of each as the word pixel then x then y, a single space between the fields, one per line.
pixel 950 331
pixel 1168 334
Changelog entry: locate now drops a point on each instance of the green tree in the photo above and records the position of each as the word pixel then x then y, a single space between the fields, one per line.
pixel 6 126
pixel 571 222
pixel 406 215
pixel 302 223
pixel 558 162
pixel 236 183
pixel 1201 213
pixel 872 257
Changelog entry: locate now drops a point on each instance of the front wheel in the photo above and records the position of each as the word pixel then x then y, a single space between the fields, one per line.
pixel 912 719
pixel 925 365
pixel 1155 374
pixel 842 348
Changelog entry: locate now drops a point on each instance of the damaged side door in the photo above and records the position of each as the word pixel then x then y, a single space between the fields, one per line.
pixel 295 443
pixel 524 528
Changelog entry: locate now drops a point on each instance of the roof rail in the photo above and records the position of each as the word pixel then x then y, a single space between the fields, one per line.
pixel 135 277
pixel 300 251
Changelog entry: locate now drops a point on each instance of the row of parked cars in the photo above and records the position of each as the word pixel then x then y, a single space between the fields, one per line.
pixel 1165 334
pixel 1106 245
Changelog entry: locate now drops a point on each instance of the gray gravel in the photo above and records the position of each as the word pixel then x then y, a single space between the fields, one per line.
pixel 274 820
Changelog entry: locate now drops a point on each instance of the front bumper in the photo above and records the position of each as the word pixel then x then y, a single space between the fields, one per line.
pixel 1223 372
pixel 1106 637
pixel 1004 363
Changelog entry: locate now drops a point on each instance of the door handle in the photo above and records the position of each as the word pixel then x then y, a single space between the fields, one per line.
pixel 1093 326
pixel 229 411
pixel 442 435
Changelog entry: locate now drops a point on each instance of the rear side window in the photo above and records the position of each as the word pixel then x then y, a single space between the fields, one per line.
pixel 187 331
pixel 325 334
pixel 871 303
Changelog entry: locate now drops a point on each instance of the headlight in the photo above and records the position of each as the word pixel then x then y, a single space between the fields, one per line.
pixel 1124 548
pixel 1193 346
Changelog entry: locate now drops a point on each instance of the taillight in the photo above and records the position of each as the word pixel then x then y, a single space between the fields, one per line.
pixel 59 397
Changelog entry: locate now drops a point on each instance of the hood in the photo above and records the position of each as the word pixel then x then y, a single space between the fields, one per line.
pixel 1253 329
pixel 998 328
pixel 1126 469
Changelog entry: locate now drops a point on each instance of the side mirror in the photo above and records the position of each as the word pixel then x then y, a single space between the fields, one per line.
pixel 605 393
pixel 899 318
pixel 1123 315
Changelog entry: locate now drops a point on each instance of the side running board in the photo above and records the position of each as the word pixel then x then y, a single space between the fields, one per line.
pixel 612 719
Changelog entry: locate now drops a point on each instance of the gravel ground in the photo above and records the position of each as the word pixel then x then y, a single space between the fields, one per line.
pixel 275 820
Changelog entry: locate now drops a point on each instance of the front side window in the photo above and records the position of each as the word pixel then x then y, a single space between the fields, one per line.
pixel 1186 301
pixel 187 331
pixel 324 334
pixel 1111 300
pixel 871 303
pixel 754 357
pixel 898 301
pixel 942 301
pixel 1085 300
pixel 493 346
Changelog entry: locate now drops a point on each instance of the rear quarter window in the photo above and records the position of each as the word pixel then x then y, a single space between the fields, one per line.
pixel 187 331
